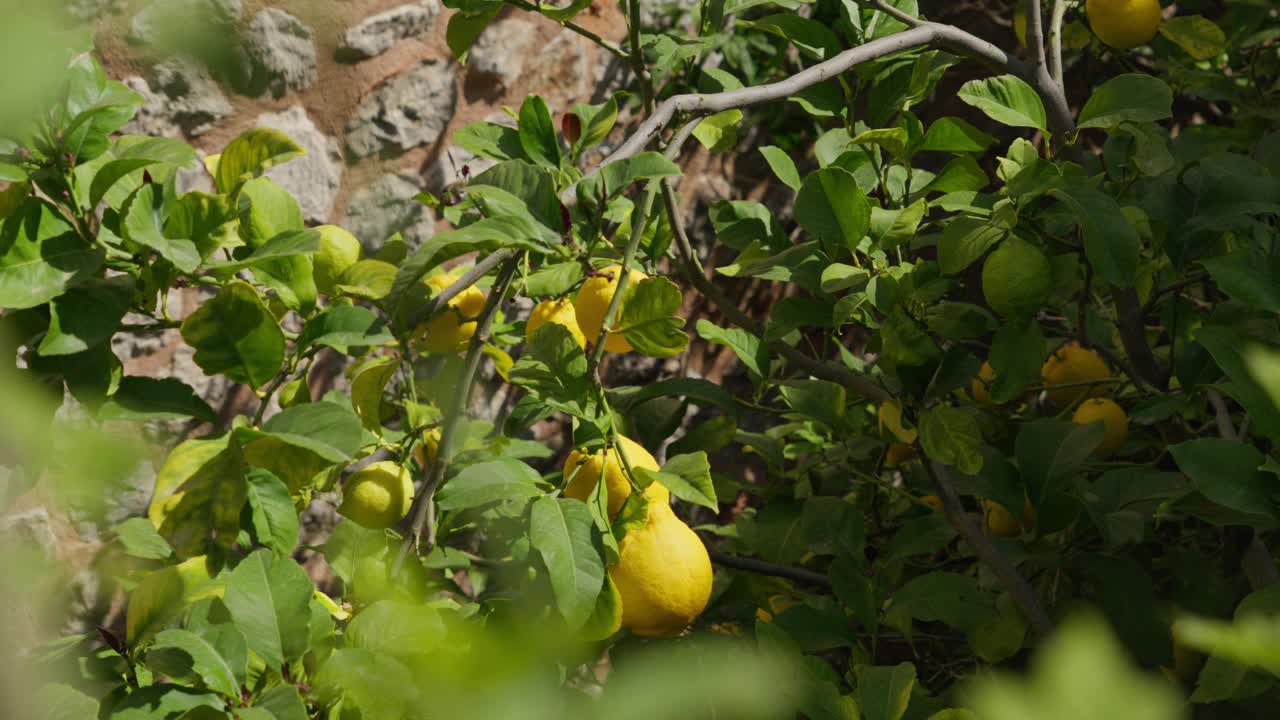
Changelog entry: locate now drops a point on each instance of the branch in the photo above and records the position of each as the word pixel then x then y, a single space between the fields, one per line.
pixel 761 567
pixel 1035 35
pixel 1131 322
pixel 469 278
pixel 609 46
pixel 1055 41
pixel 1008 575
pixel 423 511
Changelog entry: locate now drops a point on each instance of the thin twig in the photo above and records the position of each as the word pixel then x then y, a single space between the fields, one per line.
pixel 611 47
pixel 423 511
pixel 1013 582
pixel 468 279
pixel 761 567
pixel 637 54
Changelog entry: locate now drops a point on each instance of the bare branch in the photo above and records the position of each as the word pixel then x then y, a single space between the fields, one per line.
pixel 1035 35
pixel 761 567
pixel 611 47
pixel 1055 41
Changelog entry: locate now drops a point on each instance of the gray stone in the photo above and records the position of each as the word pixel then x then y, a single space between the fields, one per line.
pixel 376 34
pixel 181 98
pixel 408 110
pixel 283 52
pixel 87 10
pixel 176 15
pixel 314 178
pixel 499 53
pixel 194 177
pixel 34 526
pixel 388 207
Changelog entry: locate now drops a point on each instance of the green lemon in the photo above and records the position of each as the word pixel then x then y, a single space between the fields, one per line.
pixel 1017 278
pixel 339 250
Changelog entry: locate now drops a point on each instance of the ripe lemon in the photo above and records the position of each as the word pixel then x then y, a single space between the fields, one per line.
pixel 377 496
pixel 615 477
pixel 932 501
pixel 980 387
pixel 1124 24
pixel 425 451
pixel 1017 278
pixel 339 250
pixel 898 453
pixel 1002 523
pixel 1072 365
pixel 451 329
pixel 777 604
pixel 560 312
pixel 663 575
pixel 1114 421
pixel 889 421
pixel 592 302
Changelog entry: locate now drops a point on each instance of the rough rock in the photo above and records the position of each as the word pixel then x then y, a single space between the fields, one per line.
pixel 499 53
pixel 86 10
pixel 162 15
pixel 283 53
pixel 388 207
pixel 376 34
pixel 34 526
pixel 409 110
pixel 180 98
pixel 315 178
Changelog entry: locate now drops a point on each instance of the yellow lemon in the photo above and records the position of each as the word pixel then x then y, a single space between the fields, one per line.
pixel 889 421
pixel 425 451
pixel 592 302
pixel 451 329
pixel 339 250
pixel 898 453
pixel 777 604
pixel 932 501
pixel 663 575
pixel 1114 422
pixel 1002 523
pixel 560 312
pixel 981 384
pixel 1073 365
pixel 1124 24
pixel 590 467
pixel 377 496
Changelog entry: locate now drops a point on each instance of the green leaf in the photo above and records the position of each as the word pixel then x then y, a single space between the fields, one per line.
pixel 1110 242
pixel 376 683
pixel 884 692
pixel 538 133
pixel 283 703
pixel 1200 37
pixel 490 140
pixel 139 539
pixel 554 370
pixel 269 600
pixel 41 256
pixel 1135 97
pixel 268 211
pixel 397 628
pixel 206 514
pixel 529 184
pixel 554 280
pixel 1248 277
pixel 688 477
pixel 181 655
pixel 902 229
pixel 951 134
pixel 892 140
pixel 719 133
pixel 367 280
pixel 208 221
pixel 288 244
pixel 951 436
pixel 1232 352
pixel 143 221
pixel 236 335
pixel 832 209
pixel 147 398
pixel 818 400
pixel 945 597
pixel 649 318
pixel 613 179
pixel 958 321
pixel 964 240
pixel 164 700
pixel 161 594
pixel 1007 100
pixel 597 122
pixel 1050 450
pixel 1016 352
pixel 465 27
pixel 328 429
pixel 253 153
pixel 487 483
pixel 136 156
pixel 274 518
pixel 562 530
pixel 86 316
pixel 812 38
pixel 343 327
pixel 702 392
pixel 1227 472
pixel 782 165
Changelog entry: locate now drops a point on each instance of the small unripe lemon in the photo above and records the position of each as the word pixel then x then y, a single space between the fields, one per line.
pixel 898 453
pixel 663 575
pixel 425 451
pixel 1114 421
pixel 1124 24
pixel 451 329
pixel 590 467
pixel 1073 365
pixel 592 303
pixel 560 312
pixel 339 250
pixel 980 389
pixel 1002 523
pixel 377 496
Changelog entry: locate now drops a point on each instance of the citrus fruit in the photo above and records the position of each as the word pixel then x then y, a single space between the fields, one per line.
pixel 898 453
pixel 889 421
pixel 589 468
pixel 980 389
pixel 777 604
pixel 663 575
pixel 1017 278
pixel 339 250
pixel 425 451
pixel 932 501
pixel 1114 421
pixel 1124 24
pixel 592 302
pixel 1002 523
pixel 451 329
pixel 377 496
pixel 560 312
pixel 1072 365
